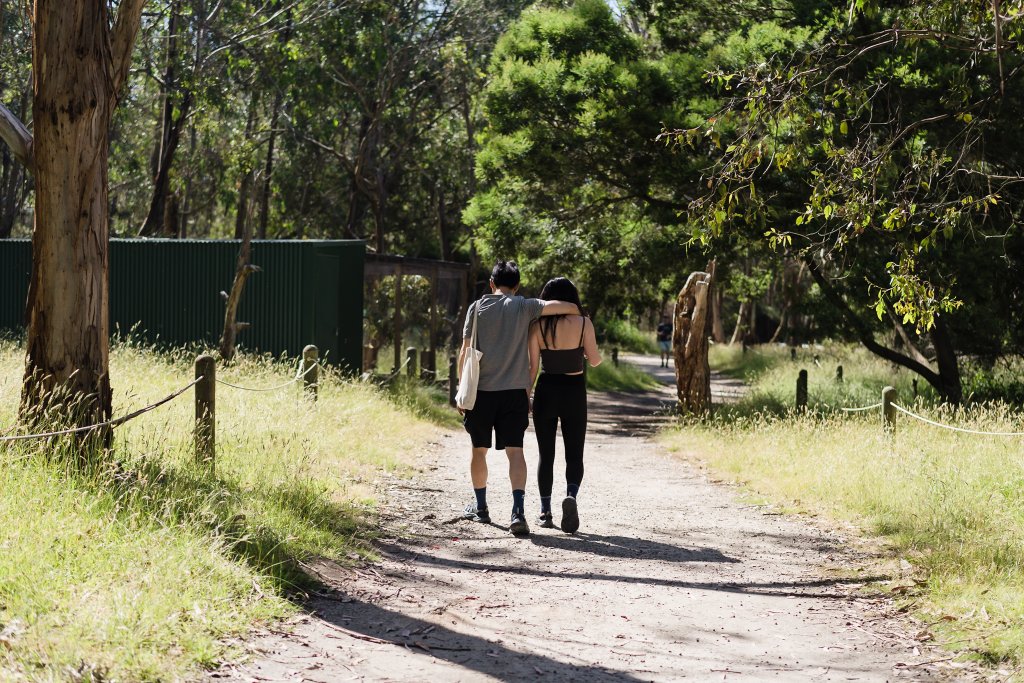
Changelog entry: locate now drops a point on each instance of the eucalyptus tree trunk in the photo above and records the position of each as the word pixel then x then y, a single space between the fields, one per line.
pixel 79 64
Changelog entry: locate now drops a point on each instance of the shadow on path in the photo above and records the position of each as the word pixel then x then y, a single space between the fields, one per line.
pixel 782 589
pixel 374 624
pixel 630 547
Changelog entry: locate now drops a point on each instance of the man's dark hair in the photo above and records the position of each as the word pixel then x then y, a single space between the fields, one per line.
pixel 505 274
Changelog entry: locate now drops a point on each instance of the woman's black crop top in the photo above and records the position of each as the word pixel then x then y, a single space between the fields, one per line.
pixel 563 361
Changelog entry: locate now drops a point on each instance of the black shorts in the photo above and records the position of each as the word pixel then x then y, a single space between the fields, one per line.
pixel 506 413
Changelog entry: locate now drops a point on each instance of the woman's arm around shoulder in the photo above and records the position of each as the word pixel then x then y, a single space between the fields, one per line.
pixel 590 349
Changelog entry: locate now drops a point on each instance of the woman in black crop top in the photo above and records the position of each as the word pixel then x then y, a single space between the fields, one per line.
pixel 559 347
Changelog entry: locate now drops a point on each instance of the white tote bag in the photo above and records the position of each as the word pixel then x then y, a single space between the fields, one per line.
pixel 465 398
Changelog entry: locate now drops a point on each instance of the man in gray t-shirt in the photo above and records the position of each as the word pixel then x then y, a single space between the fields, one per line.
pixel 503 394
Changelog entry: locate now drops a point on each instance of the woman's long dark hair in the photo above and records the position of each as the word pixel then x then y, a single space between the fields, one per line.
pixel 558 289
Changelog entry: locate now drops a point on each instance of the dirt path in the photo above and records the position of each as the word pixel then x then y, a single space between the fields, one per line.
pixel 671 577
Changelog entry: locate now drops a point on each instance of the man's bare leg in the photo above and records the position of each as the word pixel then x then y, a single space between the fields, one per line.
pixel 516 468
pixel 478 468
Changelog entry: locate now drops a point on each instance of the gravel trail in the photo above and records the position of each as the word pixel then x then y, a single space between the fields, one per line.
pixel 671 577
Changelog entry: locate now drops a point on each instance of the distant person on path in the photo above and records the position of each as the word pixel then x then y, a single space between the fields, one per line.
pixel 665 340
pixel 503 393
pixel 559 345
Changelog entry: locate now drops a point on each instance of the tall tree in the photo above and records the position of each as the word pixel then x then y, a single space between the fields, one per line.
pixel 80 62
pixel 882 149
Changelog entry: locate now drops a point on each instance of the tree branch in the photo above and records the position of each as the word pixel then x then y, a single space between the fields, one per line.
pixel 17 137
pixel 915 353
pixel 863 332
pixel 122 40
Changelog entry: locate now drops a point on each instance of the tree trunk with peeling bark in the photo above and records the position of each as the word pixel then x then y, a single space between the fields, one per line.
pixel 243 270
pixel 739 332
pixel 79 64
pixel 690 343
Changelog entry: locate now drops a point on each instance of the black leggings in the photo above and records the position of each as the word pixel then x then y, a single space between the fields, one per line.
pixel 560 397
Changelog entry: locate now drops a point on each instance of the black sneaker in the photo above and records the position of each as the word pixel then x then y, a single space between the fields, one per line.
pixel 476 514
pixel 570 515
pixel 518 526
pixel 546 520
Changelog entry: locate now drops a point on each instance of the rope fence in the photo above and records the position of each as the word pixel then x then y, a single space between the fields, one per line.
pixel 204 383
pixel 890 407
pixel 864 408
pixel 979 432
pixel 298 376
pixel 102 425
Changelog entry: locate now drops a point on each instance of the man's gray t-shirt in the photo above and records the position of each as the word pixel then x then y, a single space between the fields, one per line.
pixel 501 334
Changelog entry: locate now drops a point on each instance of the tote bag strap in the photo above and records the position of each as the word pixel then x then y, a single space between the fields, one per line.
pixel 476 315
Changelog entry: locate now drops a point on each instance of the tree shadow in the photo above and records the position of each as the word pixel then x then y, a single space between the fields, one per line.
pixel 629 547
pixel 190 496
pixel 362 620
pixel 782 589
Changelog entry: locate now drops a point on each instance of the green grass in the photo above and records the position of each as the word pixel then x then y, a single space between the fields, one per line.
pixel 772 377
pixel 624 377
pixel 428 401
pixel 141 571
pixel 951 504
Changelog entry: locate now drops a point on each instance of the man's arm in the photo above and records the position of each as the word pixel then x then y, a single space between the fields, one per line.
pixel 590 349
pixel 559 308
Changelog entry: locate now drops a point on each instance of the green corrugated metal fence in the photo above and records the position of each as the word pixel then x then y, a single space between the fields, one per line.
pixel 308 292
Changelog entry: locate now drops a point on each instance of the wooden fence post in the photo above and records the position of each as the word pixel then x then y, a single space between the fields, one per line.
pixel 913 382
pixel 453 380
pixel 792 353
pixel 311 371
pixel 615 356
pixel 410 362
pixel 888 410
pixel 206 404
pixel 801 391
pixel 428 365
pixel 839 373
pixel 397 339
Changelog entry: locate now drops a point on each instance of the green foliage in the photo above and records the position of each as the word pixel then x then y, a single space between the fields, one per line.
pixel 426 401
pixel 621 333
pixel 379 312
pixel 872 160
pixel 573 179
